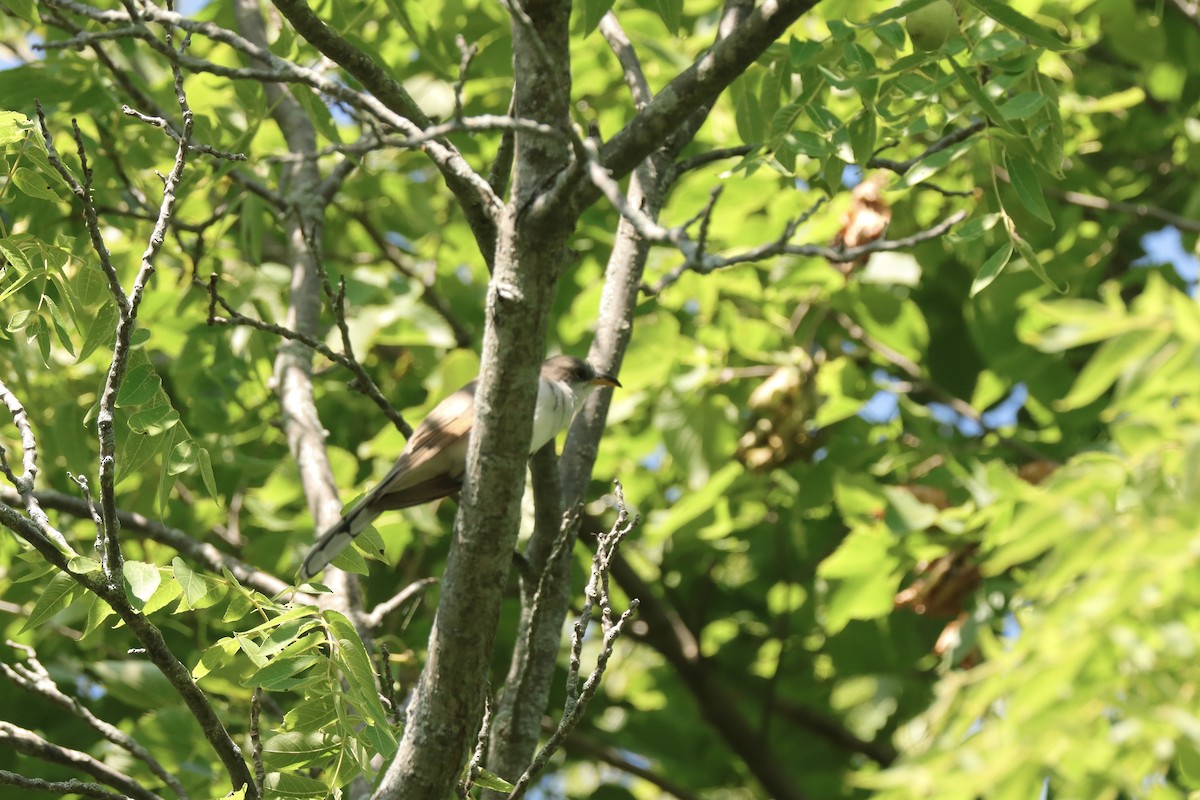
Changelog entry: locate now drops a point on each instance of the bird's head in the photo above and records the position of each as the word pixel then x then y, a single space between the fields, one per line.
pixel 580 376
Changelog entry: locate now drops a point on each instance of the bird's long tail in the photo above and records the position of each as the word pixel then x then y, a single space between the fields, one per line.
pixel 338 537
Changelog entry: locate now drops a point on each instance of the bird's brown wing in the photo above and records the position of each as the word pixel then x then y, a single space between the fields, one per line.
pixel 432 463
pixel 430 467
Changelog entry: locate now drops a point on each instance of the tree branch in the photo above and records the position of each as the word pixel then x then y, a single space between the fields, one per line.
pixel 59 788
pixel 914 371
pixel 1121 207
pixel 292 377
pixel 182 542
pixel 362 379
pixel 447 705
pixel 29 743
pixel 545 594
pixel 702 263
pixel 478 201
pixel 716 703
pixel 614 757
pixel 24 484
pixel 698 85
pixel 35 679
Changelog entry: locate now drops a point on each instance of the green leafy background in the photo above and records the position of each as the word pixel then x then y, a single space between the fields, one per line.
pixel 1076 667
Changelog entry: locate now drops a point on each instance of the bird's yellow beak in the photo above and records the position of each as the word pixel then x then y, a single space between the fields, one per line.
pixel 605 380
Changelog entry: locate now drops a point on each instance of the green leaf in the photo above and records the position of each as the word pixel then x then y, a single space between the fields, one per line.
pixel 280 674
pixel 154 420
pixel 183 457
pixel 1035 264
pixel 747 113
pixel 1114 357
pixel 695 504
pixel 33 184
pixel 140 385
pixel 241 603
pixel 11 250
pixel 1009 17
pixel 141 581
pixel 898 11
pixel 355 665
pixel 60 324
pixel 980 96
pixel 972 229
pixel 590 13
pixel 1029 189
pixel 669 11
pixel 39 331
pixel 134 450
pixel 198 593
pixel 290 748
pixel 21 9
pixel 907 514
pixel 1022 106
pixel 293 785
pixel 82 565
pixel 20 320
pixel 168 592
pixel 165 483
pixel 58 594
pixel 490 780
pixel 103 330
pixel 802 53
pixel 98 612
pixel 992 268
pixel 313 714
pixel 206 473
pixel 351 560
pixel 862 136
pixel 136 682
pixel 865 577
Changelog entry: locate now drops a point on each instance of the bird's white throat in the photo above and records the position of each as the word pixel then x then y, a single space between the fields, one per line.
pixel 557 402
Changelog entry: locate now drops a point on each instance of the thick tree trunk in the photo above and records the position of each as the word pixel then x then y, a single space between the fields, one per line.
pixel 445 713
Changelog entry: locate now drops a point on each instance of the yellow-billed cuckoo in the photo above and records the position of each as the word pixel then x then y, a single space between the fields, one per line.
pixel 435 457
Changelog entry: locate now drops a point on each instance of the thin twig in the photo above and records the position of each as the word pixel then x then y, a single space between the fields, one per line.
pixel 704 159
pixel 1189 224
pixel 631 66
pixel 166 127
pixel 24 483
pixel 781 246
pixel 620 759
pixel 83 192
pixel 362 382
pixel 467 53
pixel 429 293
pixel 474 765
pixel 256 748
pixel 580 693
pixel 385 98
pixel 949 140
pixel 380 612
pixel 387 686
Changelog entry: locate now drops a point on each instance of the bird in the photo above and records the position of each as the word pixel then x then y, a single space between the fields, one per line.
pixel 435 456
